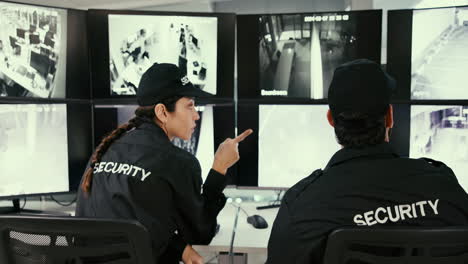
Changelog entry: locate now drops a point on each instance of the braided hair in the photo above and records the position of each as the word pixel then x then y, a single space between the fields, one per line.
pixel 142 114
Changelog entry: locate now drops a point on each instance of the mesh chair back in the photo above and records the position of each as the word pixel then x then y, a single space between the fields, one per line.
pixel 72 240
pixel 397 246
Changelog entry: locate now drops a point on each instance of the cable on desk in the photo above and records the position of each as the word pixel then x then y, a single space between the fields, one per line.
pixel 63 204
pixel 278 196
pixel 238 206
pixel 231 247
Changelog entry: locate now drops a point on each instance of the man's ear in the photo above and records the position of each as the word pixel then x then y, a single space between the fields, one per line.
pixel 330 118
pixel 160 112
pixel 389 117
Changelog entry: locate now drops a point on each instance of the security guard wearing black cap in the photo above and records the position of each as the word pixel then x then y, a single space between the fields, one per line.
pixel 365 183
pixel 137 173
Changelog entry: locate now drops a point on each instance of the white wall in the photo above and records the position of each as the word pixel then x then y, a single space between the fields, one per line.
pixel 359 4
pixel 194 6
pixel 278 6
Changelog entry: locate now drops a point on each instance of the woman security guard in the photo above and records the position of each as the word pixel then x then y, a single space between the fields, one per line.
pixel 137 173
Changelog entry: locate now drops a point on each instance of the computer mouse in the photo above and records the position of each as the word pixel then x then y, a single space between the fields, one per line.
pixel 257 221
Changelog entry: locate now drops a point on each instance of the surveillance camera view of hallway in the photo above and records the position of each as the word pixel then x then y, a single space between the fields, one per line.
pixel 298 53
pixel 439 56
pixel 441 132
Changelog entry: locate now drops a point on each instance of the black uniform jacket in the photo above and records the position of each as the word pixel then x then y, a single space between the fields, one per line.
pixel 364 187
pixel 143 176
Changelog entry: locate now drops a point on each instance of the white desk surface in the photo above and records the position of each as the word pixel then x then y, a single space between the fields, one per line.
pixel 247 239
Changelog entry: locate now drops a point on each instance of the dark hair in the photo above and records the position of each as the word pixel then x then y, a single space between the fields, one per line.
pixel 142 114
pixel 357 130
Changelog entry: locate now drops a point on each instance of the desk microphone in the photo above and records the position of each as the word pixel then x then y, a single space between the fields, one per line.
pixel 231 246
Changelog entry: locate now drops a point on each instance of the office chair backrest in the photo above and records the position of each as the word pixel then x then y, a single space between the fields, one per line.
pixel 72 240
pixel 397 246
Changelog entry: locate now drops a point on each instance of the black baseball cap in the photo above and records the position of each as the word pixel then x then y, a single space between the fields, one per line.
pixel 360 86
pixel 163 80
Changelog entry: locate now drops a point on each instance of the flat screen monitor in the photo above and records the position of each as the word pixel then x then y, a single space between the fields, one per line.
pixel 290 141
pixel 126 44
pixel 43 147
pixel 41 63
pixel 195 41
pixel 49 34
pixel 215 124
pixel 21 33
pixel 293 141
pixel 49 42
pixel 19 83
pixel 28 132
pixel 34 39
pixel 440 132
pixel 12 42
pixel 295 55
pixel 426 52
pixel 136 42
pixel 69 44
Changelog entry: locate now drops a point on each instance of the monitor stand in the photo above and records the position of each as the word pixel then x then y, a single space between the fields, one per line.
pixel 16 209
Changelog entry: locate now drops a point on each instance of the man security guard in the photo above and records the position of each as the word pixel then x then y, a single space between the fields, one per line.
pixel 137 173
pixel 365 183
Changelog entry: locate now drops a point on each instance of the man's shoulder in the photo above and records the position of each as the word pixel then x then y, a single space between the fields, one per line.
pixel 429 165
pixel 299 188
pixel 432 162
pixel 414 166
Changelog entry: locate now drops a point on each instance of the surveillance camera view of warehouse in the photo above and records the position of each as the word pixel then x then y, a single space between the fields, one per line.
pixel 298 53
pixel 28 133
pixel 439 56
pixel 32 51
pixel 441 133
pixel 138 41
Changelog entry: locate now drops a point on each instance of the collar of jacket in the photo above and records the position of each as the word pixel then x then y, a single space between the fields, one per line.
pixel 346 154
pixel 154 129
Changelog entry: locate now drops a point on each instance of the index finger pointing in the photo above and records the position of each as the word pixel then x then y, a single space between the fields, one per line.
pixel 242 136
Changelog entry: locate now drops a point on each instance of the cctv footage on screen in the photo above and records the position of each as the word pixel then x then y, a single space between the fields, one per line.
pixel 33 149
pixel 293 141
pixel 439 57
pixel 441 133
pixel 32 51
pixel 139 41
pixel 298 53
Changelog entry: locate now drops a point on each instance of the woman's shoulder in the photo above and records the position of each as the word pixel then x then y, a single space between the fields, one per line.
pixel 175 165
pixel 183 157
pixel 170 156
